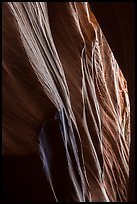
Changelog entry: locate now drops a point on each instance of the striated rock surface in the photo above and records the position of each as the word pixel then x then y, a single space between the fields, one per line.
pixel 65 106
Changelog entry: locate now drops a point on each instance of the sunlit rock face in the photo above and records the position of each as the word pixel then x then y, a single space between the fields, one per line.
pixel 66 112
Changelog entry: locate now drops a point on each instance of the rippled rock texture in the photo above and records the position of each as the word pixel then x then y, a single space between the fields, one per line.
pixel 66 112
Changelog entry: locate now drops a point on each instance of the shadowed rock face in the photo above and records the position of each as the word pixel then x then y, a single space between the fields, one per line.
pixel 66 113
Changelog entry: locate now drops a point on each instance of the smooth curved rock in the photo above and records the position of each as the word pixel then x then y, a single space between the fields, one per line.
pixel 56 61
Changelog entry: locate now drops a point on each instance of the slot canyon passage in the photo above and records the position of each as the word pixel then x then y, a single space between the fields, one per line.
pixel 66 122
